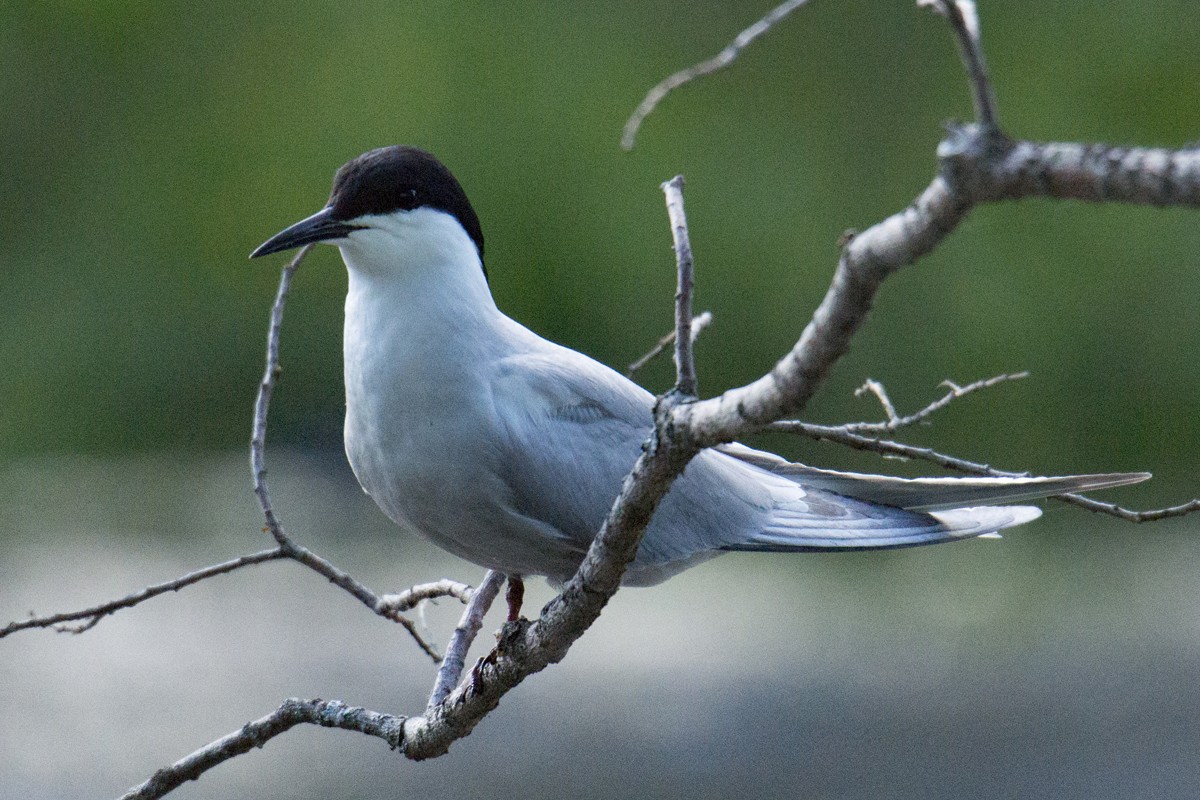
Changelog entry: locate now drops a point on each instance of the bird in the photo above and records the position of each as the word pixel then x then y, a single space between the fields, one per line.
pixel 508 450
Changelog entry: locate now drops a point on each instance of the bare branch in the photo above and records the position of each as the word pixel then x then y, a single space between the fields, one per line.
pixel 964 20
pixel 866 261
pixel 685 362
pixel 839 434
pixel 258 467
pixel 415 595
pixel 874 387
pixel 93 615
pixel 699 323
pixel 895 421
pixel 525 647
pixel 991 167
pixel 528 647
pixel 717 62
pixel 1153 515
pixel 464 634
pixel 262 403
pixel 327 713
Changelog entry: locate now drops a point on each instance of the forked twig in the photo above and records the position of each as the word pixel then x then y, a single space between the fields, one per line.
pixel 895 421
pixel 258 467
pixel 387 606
pixel 699 323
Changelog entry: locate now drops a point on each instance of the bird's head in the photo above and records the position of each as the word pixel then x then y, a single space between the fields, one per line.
pixel 389 205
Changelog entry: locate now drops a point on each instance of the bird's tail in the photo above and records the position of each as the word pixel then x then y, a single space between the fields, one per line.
pixel 878 511
pixel 930 494
pixel 941 494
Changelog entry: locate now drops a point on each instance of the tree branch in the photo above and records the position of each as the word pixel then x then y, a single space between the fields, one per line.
pixel 528 647
pixel 413 596
pixel 895 421
pixel 258 467
pixel 685 362
pixel 464 634
pixel 990 167
pixel 93 615
pixel 326 713
pixel 977 164
pixel 717 62
pixel 964 21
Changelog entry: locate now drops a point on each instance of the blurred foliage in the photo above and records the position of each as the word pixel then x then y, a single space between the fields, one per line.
pixel 149 146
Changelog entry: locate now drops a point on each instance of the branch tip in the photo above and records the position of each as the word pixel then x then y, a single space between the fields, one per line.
pixel 721 60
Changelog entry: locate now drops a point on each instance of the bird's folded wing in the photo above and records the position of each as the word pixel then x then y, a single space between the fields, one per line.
pixel 570 430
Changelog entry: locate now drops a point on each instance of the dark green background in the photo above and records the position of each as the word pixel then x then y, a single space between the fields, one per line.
pixel 149 146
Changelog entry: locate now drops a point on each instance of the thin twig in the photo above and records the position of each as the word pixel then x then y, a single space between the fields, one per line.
pixel 93 615
pixel 414 596
pixel 262 403
pixel 895 421
pixel 839 434
pixel 258 467
pixel 719 61
pixel 327 713
pixel 699 323
pixel 872 386
pixel 685 361
pixel 464 634
pixel 964 20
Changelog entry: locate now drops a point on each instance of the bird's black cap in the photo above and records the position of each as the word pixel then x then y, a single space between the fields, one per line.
pixel 395 178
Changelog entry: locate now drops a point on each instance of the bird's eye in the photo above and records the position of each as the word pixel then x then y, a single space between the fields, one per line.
pixel 408 198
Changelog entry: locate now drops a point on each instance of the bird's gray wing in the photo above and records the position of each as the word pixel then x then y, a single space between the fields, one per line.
pixel 573 428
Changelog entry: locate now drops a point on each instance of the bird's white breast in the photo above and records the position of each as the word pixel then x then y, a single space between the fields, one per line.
pixel 422 336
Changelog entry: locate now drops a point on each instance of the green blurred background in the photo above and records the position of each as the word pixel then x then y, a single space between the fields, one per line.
pixel 149 146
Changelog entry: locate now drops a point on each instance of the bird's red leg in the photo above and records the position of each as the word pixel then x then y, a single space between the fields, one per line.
pixel 515 595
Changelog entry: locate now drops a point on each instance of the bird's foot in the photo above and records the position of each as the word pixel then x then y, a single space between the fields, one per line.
pixel 515 595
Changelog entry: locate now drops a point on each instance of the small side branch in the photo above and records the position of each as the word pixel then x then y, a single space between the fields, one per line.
pixel 415 595
pixel 895 421
pixel 685 362
pixel 993 168
pixel 293 712
pixel 88 617
pixel 699 323
pixel 964 20
pixel 717 62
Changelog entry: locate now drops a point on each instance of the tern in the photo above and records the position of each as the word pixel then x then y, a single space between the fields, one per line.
pixel 508 450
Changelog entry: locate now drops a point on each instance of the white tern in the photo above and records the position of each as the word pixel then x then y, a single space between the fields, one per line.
pixel 508 450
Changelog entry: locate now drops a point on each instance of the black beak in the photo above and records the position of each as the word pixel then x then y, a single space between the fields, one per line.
pixel 320 227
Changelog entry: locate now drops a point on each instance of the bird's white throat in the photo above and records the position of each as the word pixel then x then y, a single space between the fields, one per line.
pixel 419 320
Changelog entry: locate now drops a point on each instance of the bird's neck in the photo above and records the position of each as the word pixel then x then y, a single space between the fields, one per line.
pixel 415 278
pixel 421 327
pixel 419 314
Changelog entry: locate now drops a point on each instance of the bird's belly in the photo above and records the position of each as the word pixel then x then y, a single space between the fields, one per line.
pixel 438 478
